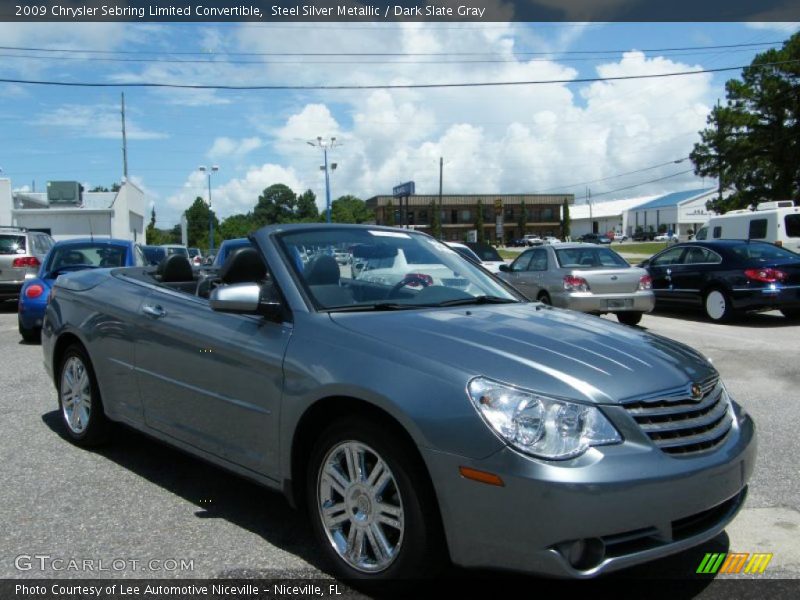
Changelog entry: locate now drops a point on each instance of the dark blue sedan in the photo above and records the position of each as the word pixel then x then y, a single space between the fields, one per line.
pixel 726 277
pixel 66 256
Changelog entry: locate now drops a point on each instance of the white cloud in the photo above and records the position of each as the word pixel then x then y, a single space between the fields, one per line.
pixel 95 121
pixel 225 147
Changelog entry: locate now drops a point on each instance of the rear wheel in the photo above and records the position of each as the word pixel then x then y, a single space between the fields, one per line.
pixel 32 335
pixel 373 513
pixel 544 298
pixel 629 318
pixel 79 399
pixel 717 305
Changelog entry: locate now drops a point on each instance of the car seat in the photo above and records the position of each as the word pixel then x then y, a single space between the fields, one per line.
pixel 322 276
pixel 175 271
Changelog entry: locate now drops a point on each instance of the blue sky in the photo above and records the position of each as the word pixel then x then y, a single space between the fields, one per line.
pixel 503 140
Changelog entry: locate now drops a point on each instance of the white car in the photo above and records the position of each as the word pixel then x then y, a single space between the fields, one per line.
pixel 531 239
pixel 551 240
pixel 483 254
pixel 662 237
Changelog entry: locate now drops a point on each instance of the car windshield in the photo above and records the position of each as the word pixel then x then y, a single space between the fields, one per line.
pixel 487 253
pixel 387 270
pixel 176 250
pixel 194 252
pixel 590 258
pixel 761 252
pixel 85 255
pixel 12 244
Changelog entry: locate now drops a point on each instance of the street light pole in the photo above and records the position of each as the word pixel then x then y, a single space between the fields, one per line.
pixel 209 171
pixel 325 145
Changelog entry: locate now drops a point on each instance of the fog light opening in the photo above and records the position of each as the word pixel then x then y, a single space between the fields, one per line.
pixel 583 554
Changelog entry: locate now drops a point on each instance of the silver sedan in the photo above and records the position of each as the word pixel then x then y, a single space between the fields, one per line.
pixel 584 277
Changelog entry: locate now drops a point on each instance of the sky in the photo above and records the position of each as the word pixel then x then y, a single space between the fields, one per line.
pixel 522 139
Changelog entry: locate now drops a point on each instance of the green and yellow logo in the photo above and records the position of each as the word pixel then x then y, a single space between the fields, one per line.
pixel 734 563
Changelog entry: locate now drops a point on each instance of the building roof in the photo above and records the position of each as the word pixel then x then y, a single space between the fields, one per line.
pixel 674 199
pixel 607 208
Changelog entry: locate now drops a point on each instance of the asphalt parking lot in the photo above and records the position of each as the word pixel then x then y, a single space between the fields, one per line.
pixel 137 500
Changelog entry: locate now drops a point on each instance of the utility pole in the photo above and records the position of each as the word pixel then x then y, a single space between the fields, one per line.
pixel 719 158
pixel 326 145
pixel 124 142
pixel 589 202
pixel 209 171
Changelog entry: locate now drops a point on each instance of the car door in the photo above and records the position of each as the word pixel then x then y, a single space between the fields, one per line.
pixel 689 278
pixel 212 380
pixel 661 268
pixel 518 271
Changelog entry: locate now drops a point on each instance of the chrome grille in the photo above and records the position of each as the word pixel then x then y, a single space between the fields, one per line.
pixel 679 424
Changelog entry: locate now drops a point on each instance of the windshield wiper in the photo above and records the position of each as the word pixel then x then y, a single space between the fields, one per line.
pixel 366 307
pixel 477 300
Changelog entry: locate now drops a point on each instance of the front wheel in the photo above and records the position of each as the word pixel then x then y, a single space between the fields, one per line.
pixel 629 318
pixel 373 511
pixel 79 399
pixel 718 306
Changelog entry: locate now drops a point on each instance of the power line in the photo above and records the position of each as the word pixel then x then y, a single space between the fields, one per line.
pixel 642 170
pixel 195 86
pixel 400 54
pixel 630 187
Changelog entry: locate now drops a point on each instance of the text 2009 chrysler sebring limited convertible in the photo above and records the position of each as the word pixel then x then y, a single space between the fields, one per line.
pixel 420 415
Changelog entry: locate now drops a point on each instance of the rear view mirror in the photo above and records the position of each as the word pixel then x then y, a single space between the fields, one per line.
pixel 505 268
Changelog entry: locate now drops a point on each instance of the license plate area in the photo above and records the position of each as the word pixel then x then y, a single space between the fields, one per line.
pixel 619 303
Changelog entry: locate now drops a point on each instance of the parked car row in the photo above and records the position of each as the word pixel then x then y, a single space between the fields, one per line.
pixel 421 409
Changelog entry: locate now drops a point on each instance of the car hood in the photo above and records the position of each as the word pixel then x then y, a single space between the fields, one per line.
pixel 552 351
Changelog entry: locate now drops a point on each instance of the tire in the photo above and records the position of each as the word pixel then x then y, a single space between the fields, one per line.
pixel 544 298
pixel 403 513
pixel 717 306
pixel 791 313
pixel 80 406
pixel 629 318
pixel 31 335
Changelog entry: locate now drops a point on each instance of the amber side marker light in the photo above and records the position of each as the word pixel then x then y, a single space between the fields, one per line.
pixel 481 476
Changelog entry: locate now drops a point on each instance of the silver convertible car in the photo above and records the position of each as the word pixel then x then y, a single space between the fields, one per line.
pixel 421 420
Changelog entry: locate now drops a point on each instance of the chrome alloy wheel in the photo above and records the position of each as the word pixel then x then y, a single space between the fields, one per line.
pixel 360 507
pixel 76 395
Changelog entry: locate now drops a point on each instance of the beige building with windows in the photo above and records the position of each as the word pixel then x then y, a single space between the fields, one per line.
pixel 502 214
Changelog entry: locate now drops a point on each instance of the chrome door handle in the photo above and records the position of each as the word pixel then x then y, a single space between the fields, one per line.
pixel 154 310
pixel 669 271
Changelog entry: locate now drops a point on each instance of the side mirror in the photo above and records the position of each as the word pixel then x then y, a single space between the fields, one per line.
pixel 244 299
pixel 505 268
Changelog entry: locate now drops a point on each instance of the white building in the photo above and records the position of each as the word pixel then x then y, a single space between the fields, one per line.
pixel 677 212
pixel 603 216
pixel 106 214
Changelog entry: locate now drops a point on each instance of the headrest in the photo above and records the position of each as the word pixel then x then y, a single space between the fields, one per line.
pixel 175 267
pixel 322 270
pixel 243 265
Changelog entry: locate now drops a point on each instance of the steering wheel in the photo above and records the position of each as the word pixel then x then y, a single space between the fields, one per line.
pixel 408 280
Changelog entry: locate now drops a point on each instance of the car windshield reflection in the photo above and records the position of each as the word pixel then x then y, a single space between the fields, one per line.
pixel 351 269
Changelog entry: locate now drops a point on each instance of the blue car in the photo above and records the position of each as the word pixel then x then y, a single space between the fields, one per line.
pixel 71 255
pixel 227 247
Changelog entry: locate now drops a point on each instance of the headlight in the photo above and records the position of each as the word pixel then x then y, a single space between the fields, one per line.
pixel 538 425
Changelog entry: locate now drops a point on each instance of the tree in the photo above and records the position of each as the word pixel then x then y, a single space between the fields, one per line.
pixel 388 213
pixel 752 144
pixel 565 220
pixel 115 187
pixel 237 226
pixel 479 223
pixel 349 209
pixel 522 219
pixel 307 210
pixel 435 220
pixel 276 204
pixel 197 216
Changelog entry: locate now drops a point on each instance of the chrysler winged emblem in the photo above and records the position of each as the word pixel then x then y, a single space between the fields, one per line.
pixel 697 391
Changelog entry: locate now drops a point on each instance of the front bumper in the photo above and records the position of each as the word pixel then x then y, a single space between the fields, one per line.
pixel 588 302
pixel 636 502
pixel 770 297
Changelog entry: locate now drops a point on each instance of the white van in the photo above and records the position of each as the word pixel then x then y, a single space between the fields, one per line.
pixel 776 222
